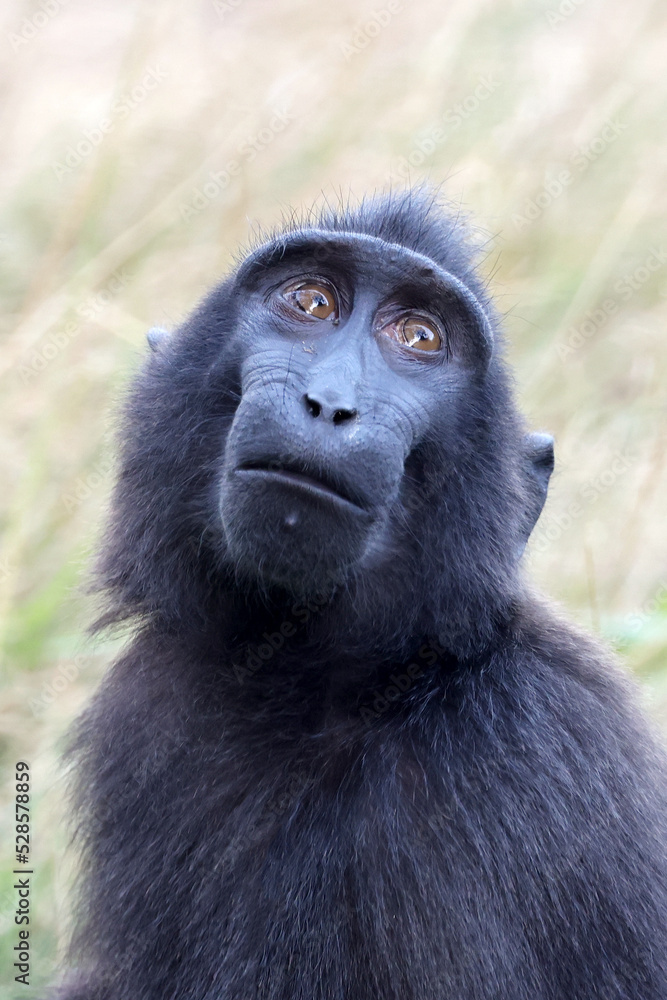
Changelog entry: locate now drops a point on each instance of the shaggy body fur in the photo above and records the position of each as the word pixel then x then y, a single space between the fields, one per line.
pixel 420 785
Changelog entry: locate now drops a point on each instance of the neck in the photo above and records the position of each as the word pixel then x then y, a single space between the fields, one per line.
pixel 339 651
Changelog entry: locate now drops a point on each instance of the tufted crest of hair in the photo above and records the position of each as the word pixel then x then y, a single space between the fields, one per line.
pixel 415 218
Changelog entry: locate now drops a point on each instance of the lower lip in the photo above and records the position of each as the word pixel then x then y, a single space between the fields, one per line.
pixel 301 482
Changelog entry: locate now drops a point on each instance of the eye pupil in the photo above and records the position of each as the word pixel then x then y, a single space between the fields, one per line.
pixel 414 332
pixel 420 334
pixel 313 300
pixel 310 301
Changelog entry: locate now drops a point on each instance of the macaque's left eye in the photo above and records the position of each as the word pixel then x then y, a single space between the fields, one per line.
pixel 312 298
pixel 416 332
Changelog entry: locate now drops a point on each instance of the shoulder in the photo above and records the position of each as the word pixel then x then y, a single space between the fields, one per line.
pixel 569 691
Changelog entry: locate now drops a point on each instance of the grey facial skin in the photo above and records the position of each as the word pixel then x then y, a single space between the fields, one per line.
pixel 330 410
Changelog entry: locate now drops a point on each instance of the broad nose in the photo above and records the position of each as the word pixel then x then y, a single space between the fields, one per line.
pixel 329 405
pixel 331 394
pixel 333 388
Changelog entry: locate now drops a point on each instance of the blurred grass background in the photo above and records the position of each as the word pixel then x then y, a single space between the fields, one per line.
pixel 142 143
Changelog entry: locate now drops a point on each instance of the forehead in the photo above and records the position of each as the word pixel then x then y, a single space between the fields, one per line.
pixel 368 256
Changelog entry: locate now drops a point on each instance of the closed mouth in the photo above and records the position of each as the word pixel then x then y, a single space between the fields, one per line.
pixel 319 487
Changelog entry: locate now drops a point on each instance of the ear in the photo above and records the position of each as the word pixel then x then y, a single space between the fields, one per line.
pixel 539 449
pixel 155 337
pixel 538 464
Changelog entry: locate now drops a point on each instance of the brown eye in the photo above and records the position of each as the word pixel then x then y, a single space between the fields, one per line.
pixel 415 331
pixel 313 299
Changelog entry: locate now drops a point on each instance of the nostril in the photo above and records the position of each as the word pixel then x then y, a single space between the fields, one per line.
pixel 328 411
pixel 340 416
pixel 312 406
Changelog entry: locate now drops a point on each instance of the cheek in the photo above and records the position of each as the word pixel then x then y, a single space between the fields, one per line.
pixel 418 399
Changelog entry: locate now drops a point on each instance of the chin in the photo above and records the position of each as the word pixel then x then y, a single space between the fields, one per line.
pixel 293 531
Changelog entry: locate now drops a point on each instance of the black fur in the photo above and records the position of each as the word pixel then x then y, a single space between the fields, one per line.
pixel 353 767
